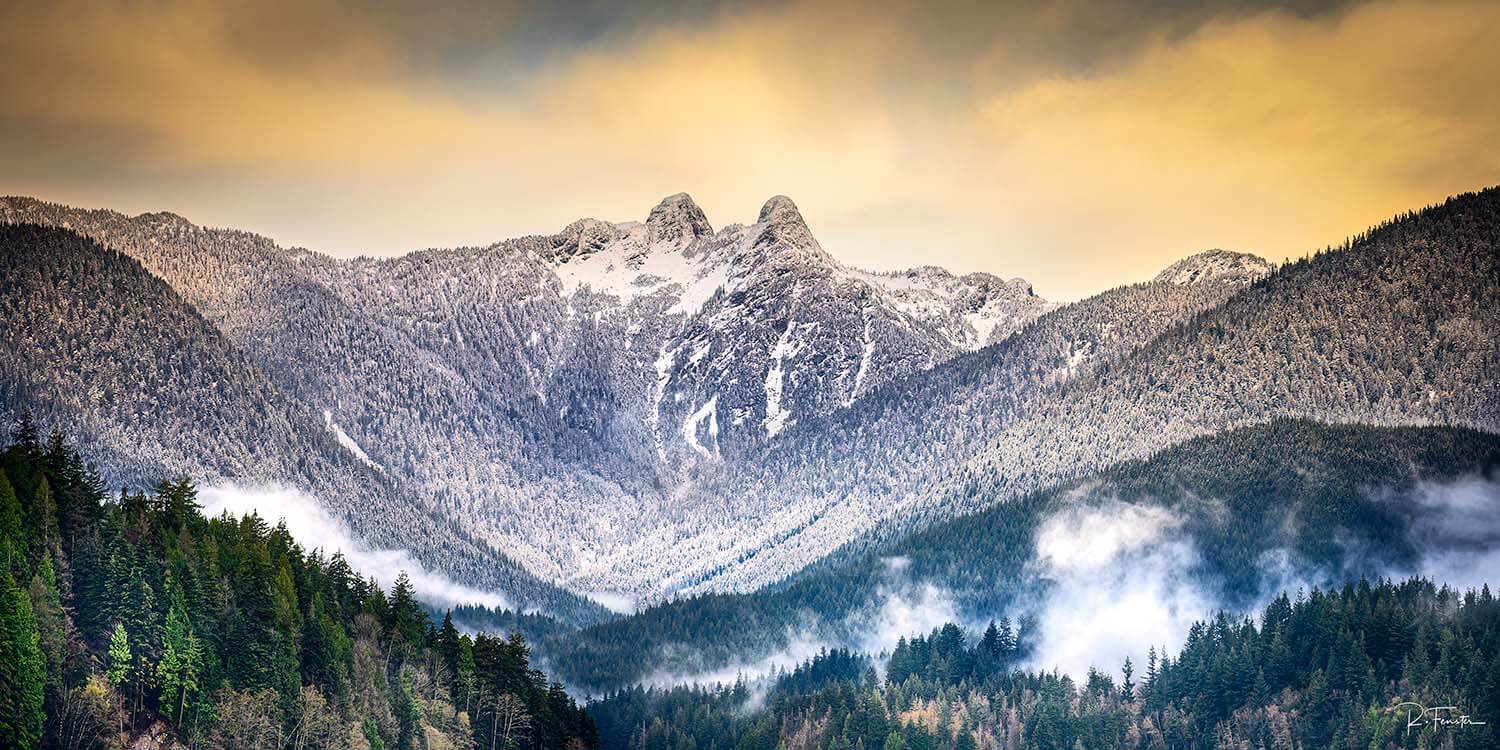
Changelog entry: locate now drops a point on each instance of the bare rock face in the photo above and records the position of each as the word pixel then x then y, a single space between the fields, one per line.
pixel 676 222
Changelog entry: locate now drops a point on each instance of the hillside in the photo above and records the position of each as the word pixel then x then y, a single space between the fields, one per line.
pixel 154 390
pixel 138 622
pixel 1257 508
pixel 1316 668
pixel 1396 327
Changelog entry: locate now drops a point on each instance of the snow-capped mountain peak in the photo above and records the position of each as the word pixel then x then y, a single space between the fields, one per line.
pixel 782 223
pixel 1222 265
pixel 677 221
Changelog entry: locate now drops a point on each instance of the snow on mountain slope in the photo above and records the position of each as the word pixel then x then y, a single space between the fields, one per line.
pixel 1395 328
pixel 1214 264
pixel 858 470
pixel 556 395
pixel 99 347
pixel 653 407
pixel 972 311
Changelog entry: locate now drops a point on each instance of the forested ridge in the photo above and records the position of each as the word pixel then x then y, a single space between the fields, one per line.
pixel 133 618
pixel 1318 669
pixel 1340 501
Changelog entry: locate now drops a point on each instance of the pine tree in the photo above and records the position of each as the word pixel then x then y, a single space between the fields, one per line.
pixel 53 629
pixel 180 664
pixel 119 656
pixel 27 436
pixel 13 540
pixel 449 644
pixel 22 671
pixel 121 663
pixel 407 618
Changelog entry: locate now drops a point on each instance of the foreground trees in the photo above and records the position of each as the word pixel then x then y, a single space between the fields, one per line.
pixel 134 614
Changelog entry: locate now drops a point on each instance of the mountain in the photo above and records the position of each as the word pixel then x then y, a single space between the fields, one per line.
pixel 555 394
pixel 1394 327
pixel 655 408
pixel 832 480
pixel 100 347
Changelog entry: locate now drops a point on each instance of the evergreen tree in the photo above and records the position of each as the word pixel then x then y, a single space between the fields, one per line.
pixel 13 541
pixel 22 671
pixel 180 665
pixel 408 621
pixel 119 656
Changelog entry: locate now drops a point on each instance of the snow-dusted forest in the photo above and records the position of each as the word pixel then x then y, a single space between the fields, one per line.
pixel 655 407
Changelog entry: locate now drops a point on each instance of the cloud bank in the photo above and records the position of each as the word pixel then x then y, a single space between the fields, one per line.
pixel 1458 531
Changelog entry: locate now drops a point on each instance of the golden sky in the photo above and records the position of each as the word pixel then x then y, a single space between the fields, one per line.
pixel 1077 144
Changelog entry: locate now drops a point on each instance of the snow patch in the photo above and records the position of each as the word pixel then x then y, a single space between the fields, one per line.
pixel 348 442
pixel 620 604
pixel 664 359
pixel 710 412
pixel 864 363
pixel 777 418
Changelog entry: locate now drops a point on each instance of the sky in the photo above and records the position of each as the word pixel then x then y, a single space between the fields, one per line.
pixel 1079 144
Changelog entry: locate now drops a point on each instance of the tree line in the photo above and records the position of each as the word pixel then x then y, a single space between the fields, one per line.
pixel 1324 669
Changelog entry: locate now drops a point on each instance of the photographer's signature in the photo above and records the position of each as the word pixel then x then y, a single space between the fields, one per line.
pixel 1437 717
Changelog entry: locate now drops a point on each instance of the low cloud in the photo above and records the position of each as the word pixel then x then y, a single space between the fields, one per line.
pixel 1457 532
pixel 800 647
pixel 1114 582
pixel 313 528
pixel 620 604
pixel 901 608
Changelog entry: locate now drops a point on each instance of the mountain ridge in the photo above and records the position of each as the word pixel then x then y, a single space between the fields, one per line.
pixel 622 348
pixel 660 407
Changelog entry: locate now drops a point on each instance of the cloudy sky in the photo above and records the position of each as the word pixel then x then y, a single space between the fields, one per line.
pixel 1080 144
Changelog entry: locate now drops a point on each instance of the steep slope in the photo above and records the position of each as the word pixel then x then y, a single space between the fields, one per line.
pixel 1245 508
pixel 1397 327
pixel 98 345
pixel 836 479
pixel 555 394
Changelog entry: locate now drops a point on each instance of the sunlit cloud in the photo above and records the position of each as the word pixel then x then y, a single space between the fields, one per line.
pixel 1077 144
